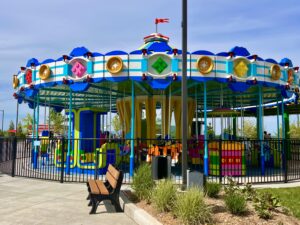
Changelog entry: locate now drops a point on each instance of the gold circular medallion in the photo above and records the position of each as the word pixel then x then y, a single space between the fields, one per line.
pixel 290 73
pixel 114 65
pixel 205 64
pixel 240 67
pixel 275 72
pixel 44 72
pixel 15 81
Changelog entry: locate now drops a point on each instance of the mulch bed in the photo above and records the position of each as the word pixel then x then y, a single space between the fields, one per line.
pixel 220 214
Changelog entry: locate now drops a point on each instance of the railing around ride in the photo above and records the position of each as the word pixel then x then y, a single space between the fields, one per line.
pixel 77 160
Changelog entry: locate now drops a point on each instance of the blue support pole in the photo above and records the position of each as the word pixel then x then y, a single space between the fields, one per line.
pixel 205 133
pixel 260 132
pixel 69 135
pixel 33 127
pixel 131 168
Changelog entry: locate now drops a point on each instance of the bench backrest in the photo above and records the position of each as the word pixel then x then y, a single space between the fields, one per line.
pixel 114 177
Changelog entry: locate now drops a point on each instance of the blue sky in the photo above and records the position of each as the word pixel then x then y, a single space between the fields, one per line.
pixel 51 28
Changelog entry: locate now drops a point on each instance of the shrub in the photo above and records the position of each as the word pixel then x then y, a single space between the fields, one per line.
pixel 235 202
pixel 212 189
pixel 191 209
pixel 249 192
pixel 164 195
pixel 143 183
pixel 232 186
pixel 265 203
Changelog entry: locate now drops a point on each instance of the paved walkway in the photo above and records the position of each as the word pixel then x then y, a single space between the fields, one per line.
pixel 26 201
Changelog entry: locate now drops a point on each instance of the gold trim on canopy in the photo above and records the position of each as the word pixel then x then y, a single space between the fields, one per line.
pixel 44 72
pixel 114 65
pixel 205 64
pixel 275 72
pixel 15 81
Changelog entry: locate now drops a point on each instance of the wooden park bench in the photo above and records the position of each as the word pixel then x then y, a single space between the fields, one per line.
pixel 108 190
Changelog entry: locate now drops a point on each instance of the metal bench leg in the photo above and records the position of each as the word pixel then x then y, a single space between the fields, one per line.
pixel 116 203
pixel 94 206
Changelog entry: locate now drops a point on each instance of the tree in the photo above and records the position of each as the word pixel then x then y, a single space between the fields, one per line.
pixel 250 130
pixel 57 121
pixel 20 130
pixel 116 124
pixel 293 133
pixel 27 123
pixel 11 125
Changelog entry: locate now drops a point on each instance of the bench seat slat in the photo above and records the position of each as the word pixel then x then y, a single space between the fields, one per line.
pixel 102 188
pixel 113 171
pixel 94 187
pixel 112 181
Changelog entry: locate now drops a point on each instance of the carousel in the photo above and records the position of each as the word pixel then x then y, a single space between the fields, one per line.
pixel 88 86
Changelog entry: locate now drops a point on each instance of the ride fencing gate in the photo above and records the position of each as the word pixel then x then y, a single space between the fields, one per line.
pixel 245 161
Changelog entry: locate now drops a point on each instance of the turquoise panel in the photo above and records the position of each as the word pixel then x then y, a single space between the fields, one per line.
pixel 253 69
pixel 67 70
pixel 229 67
pixel 144 65
pixel 34 75
pixel 90 67
pixel 175 65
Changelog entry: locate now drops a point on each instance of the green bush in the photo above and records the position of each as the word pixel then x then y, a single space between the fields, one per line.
pixel 232 187
pixel 143 183
pixel 191 209
pixel 212 189
pixel 235 202
pixel 249 192
pixel 265 203
pixel 164 195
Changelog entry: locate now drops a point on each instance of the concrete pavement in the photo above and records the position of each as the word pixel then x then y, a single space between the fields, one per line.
pixel 26 201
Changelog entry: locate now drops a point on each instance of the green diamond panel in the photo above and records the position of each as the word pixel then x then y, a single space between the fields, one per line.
pixel 159 65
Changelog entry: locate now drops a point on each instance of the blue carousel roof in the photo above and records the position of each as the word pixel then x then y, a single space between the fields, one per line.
pixel 286 61
pixel 32 61
pixel 79 51
pixel 239 51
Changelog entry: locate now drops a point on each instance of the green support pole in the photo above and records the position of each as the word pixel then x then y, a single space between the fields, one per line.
pixel 69 134
pixel 261 137
pixel 278 130
pixel 282 120
pixel 286 118
pixel 36 133
pixel 131 166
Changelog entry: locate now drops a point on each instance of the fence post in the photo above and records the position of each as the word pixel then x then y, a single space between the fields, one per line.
pixel 14 156
pixel 62 159
pixel 220 161
pixel 285 161
pixel 96 166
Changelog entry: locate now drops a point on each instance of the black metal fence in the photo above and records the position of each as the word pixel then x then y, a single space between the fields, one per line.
pixel 245 161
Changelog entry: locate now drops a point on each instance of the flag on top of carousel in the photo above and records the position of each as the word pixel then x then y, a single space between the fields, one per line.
pixel 161 20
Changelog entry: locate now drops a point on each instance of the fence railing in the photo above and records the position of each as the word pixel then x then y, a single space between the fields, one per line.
pixel 77 160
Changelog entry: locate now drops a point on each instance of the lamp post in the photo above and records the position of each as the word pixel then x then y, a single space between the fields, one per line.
pixel 184 94
pixel 2 118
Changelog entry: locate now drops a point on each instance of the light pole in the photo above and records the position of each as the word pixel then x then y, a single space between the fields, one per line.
pixel 184 94
pixel 2 117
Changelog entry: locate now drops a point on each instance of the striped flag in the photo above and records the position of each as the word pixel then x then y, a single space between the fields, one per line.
pixel 161 20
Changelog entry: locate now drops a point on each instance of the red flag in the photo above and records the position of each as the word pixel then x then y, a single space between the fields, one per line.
pixel 161 20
